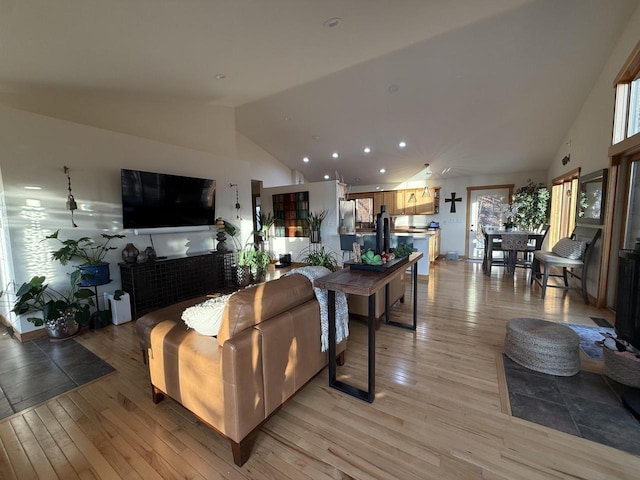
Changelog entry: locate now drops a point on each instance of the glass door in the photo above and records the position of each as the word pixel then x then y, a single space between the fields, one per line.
pixel 484 211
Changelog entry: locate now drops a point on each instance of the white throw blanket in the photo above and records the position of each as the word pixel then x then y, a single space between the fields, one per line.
pixel 206 317
pixel 322 295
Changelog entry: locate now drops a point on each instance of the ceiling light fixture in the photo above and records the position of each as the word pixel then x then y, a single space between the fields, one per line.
pixel 402 144
pixel 383 170
pixel 332 22
pixel 32 187
pixel 305 159
pixel 366 150
pixel 327 177
pixel 335 154
pixel 221 76
pixel 393 88
pixel 446 170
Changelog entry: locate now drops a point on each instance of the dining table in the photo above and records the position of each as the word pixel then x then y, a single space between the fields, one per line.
pixel 493 237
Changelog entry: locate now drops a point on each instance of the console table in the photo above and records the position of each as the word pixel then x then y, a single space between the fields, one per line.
pixel 159 283
pixel 367 283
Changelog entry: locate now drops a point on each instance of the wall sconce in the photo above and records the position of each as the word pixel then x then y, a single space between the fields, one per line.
pixel 71 202
pixel 231 185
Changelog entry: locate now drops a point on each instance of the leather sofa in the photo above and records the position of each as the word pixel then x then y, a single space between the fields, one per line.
pixel 359 306
pixel 268 347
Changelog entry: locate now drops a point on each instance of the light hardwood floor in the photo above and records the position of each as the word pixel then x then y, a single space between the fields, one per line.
pixel 438 413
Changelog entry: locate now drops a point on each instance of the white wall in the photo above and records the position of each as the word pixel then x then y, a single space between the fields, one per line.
pixel 322 196
pixel 591 132
pixel 33 150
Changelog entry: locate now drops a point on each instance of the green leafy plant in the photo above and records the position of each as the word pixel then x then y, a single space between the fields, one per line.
pixel 249 252
pixel 36 296
pixel 533 205
pixel 403 250
pixel 84 249
pixel 266 221
pixel 320 257
pixel 315 219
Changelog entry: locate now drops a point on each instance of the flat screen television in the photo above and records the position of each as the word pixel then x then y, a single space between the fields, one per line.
pixel 158 200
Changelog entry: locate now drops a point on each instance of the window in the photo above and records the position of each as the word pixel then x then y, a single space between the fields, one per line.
pixel 626 118
pixel 564 197
pixel 364 211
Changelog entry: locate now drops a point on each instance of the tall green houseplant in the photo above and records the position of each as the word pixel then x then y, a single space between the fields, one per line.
pixel 533 201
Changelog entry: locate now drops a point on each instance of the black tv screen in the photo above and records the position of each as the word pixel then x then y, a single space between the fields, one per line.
pixel 156 200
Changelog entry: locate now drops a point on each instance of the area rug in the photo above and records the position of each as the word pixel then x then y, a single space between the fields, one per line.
pixel 588 337
pixel 35 371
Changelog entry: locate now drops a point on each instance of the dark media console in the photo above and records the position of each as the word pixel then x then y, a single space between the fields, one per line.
pixel 159 283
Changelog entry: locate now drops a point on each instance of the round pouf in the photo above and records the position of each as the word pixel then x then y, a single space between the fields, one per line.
pixel 543 346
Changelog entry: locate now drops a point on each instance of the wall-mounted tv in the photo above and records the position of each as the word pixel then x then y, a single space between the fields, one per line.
pixel 157 200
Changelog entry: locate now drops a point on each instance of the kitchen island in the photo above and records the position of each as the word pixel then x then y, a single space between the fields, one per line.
pixel 421 240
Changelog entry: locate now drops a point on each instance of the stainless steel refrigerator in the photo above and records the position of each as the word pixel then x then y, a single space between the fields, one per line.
pixel 347 220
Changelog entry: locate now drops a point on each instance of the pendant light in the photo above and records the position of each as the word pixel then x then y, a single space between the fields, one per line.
pixel 427 172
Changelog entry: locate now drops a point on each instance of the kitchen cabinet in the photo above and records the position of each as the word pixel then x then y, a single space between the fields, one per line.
pixel 408 201
pixel 434 245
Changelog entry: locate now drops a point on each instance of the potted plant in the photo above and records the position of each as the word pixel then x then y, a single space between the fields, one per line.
pixel 95 271
pixel 315 223
pixel 533 201
pixel 319 257
pixel 61 313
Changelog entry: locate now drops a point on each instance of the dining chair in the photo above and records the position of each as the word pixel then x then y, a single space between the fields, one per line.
pixel 346 245
pixel 533 245
pixel 512 243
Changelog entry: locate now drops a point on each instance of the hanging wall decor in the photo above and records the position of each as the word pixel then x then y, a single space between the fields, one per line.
pixel 453 201
pixel 71 202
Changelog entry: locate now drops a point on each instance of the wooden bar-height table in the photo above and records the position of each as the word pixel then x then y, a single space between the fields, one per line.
pixel 366 283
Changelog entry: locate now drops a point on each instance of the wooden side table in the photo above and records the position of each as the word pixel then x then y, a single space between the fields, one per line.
pixel 366 283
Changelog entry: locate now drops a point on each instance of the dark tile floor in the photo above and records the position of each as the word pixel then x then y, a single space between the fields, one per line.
pixel 587 405
pixel 37 370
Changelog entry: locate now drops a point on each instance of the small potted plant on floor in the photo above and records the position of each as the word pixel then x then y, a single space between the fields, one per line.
pixel 95 271
pixel 320 257
pixel 61 313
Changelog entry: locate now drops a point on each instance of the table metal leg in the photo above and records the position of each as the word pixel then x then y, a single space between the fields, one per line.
pixel 413 326
pixel 369 395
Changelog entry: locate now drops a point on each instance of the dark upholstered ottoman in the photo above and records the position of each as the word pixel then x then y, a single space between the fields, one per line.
pixel 543 346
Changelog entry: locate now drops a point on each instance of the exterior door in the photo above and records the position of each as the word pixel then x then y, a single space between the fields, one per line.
pixel 484 204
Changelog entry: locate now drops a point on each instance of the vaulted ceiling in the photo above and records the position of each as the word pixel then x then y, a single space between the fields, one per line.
pixel 472 86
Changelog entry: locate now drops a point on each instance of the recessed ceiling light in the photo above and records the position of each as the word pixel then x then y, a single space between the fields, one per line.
pixel 377 188
pixel 402 144
pixel 366 150
pixel 286 118
pixel 332 22
pixel 221 76
pixel 326 177
pixel 305 159
pixel 316 137
pixel 357 179
pixel 382 170
pixel 335 154
pixel 32 187
pixel 393 88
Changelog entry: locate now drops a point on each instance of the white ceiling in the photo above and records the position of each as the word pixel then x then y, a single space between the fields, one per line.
pixel 481 86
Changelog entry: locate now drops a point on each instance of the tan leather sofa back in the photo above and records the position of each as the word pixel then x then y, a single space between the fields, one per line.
pixel 251 306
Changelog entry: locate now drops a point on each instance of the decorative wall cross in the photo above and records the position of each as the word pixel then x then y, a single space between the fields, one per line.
pixel 453 201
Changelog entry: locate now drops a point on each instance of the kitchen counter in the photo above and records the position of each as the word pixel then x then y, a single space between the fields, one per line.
pixel 420 243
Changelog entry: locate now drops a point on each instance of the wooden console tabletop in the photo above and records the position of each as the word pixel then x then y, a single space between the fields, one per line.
pixel 365 283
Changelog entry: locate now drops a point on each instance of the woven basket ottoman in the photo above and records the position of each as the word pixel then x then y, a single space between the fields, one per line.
pixel 543 346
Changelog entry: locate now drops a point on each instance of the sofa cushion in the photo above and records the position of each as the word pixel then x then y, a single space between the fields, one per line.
pixel 256 304
pixel 568 248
